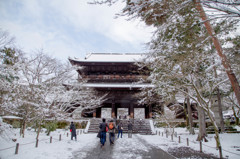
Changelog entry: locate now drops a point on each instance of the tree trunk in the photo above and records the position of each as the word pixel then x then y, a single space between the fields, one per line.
pixel 23 127
pixel 185 112
pixel 215 126
pixel 39 129
pixel 220 111
pixel 202 125
pixel 219 106
pixel 190 119
pixel 225 63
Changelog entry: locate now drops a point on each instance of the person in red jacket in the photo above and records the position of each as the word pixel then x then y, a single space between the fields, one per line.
pixel 111 130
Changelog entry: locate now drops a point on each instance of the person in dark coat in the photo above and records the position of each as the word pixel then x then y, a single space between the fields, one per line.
pixel 130 129
pixel 130 126
pixel 120 129
pixel 102 127
pixel 73 131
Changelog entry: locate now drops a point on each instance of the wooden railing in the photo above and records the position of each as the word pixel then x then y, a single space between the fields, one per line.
pixel 115 77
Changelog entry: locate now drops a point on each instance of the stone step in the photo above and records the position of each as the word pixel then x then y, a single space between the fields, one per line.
pixel 139 126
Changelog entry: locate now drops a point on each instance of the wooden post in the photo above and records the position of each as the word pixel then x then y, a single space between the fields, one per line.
pixel 167 134
pixel 67 134
pixel 60 137
pixel 159 133
pixel 187 142
pixel 94 114
pixel 36 143
pixel 200 146
pixel 131 111
pixel 17 147
pixel 162 133
pixel 51 139
pixel 179 139
pixel 156 131
pixel 113 109
pixel 150 111
pixel 172 137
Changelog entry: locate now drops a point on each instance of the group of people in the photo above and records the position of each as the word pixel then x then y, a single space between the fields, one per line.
pixel 103 129
pixel 111 129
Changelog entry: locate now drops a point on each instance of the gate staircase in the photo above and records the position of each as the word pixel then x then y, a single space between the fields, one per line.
pixel 139 126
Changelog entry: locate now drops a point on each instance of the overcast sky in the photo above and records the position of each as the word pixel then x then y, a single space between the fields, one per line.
pixel 71 28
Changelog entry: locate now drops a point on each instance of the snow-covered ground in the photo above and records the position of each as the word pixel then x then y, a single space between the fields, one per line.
pixel 230 142
pixel 66 148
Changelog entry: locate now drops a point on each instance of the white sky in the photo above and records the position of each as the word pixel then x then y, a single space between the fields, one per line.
pixel 64 28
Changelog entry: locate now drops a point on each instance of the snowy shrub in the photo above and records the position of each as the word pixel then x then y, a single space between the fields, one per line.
pixel 6 131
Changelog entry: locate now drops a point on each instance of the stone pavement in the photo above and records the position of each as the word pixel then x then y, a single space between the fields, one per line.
pixel 123 148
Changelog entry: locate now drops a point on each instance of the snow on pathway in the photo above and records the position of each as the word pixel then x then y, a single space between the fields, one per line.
pixel 127 148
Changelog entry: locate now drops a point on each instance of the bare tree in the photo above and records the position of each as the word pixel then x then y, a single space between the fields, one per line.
pixel 6 39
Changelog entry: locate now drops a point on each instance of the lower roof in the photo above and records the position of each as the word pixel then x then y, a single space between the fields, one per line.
pixel 117 85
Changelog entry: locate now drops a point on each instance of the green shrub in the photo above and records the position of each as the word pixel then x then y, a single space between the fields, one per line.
pixel 81 125
pixel 227 122
pixel 160 124
pixel 62 124
pixel 50 126
pixel 182 125
pixel 16 124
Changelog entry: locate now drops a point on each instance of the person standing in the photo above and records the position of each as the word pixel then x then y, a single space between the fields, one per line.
pixel 120 129
pixel 111 130
pixel 103 131
pixel 130 129
pixel 73 131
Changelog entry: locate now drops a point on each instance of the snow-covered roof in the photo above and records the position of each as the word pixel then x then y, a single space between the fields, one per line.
pixel 116 85
pixel 111 57
pixel 11 117
pixel 181 99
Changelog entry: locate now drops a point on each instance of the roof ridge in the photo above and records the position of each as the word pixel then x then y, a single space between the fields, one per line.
pixel 111 53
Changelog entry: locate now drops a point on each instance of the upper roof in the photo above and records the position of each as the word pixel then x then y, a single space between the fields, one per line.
pixel 111 57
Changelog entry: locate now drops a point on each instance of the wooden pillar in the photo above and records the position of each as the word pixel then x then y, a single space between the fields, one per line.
pixel 113 110
pixel 150 111
pixel 131 111
pixel 94 113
